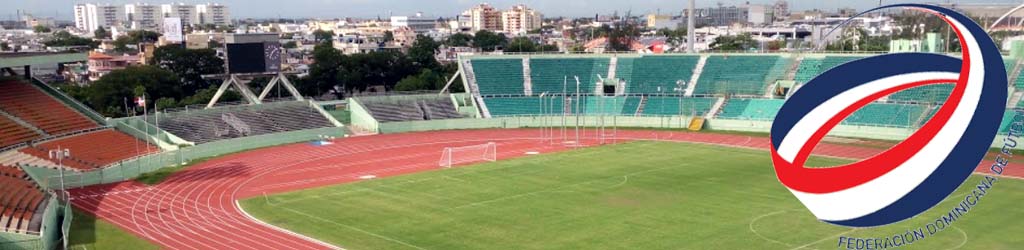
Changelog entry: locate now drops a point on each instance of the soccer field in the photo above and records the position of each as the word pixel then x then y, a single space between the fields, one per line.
pixel 639 195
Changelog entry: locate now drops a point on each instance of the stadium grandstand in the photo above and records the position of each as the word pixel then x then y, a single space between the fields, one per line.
pixel 44 132
pixel 234 121
pixel 22 202
pixel 721 87
pixel 56 152
pixel 419 109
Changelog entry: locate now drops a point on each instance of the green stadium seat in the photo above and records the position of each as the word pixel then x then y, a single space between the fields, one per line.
pixel 887 115
pixel 651 74
pixel 812 67
pixel 670 105
pixel 751 109
pixel 1008 115
pixel 604 105
pixel 499 76
pixel 630 105
pixel 513 106
pixel 927 94
pixel 549 74
pixel 738 74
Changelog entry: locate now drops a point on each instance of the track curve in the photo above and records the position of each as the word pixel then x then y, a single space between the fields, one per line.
pixel 197 208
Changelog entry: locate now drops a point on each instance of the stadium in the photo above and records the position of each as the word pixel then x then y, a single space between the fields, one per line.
pixel 564 151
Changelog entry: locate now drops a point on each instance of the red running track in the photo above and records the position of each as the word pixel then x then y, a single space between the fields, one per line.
pixel 197 208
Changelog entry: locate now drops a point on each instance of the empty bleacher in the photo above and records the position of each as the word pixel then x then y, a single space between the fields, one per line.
pixel 524 105
pixel 924 94
pixel 499 76
pixel 439 108
pixel 93 150
pixel 811 67
pixel 21 202
pixel 41 110
pixel 604 105
pixel 13 133
pixel 385 110
pixel 1019 81
pixel 1008 115
pixel 655 74
pixel 751 109
pixel 738 74
pixel 672 105
pixel 887 115
pixel 549 74
pixel 630 105
pixel 202 126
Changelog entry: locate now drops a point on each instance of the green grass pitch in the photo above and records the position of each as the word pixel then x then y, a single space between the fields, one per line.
pixel 639 195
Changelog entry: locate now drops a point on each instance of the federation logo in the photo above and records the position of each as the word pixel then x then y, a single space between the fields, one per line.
pixel 915 174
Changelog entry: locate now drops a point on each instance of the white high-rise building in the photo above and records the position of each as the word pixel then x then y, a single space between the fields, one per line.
pixel 187 13
pixel 80 17
pixel 418 23
pixel 483 17
pixel 142 16
pixel 520 19
pixel 215 14
pixel 89 17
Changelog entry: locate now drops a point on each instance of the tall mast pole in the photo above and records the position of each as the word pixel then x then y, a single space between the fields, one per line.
pixel 690 26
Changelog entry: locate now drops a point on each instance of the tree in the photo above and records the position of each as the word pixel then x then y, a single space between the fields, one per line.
pixel 41 29
pixel 214 44
pixel 290 45
pixel 101 33
pixel 323 36
pixel 459 40
pixel 205 95
pixel 621 37
pixel 776 45
pixel 489 41
pixel 521 44
pixel 384 68
pixel 673 36
pixel 425 80
pixel 110 92
pixel 858 40
pixel 389 36
pixel 423 50
pixel 323 72
pixel 63 38
pixel 738 42
pixel 165 103
pixel 4 46
pixel 189 64
pixel 121 44
pixel 142 36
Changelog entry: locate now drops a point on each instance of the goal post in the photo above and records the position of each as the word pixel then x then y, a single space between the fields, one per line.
pixel 451 156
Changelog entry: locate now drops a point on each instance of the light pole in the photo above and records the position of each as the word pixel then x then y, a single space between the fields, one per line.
pixel 60 154
pixel 681 86
pixel 541 116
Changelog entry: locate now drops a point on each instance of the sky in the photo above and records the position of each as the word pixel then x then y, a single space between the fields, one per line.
pixel 62 9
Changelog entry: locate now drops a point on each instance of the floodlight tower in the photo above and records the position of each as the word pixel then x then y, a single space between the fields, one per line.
pixel 690 33
pixel 59 154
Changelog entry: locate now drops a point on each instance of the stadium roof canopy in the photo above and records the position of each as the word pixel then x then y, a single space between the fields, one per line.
pixel 9 60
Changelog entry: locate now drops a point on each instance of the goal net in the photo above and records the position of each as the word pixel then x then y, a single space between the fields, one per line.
pixel 466 154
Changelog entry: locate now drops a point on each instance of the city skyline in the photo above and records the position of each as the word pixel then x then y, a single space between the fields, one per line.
pixel 62 9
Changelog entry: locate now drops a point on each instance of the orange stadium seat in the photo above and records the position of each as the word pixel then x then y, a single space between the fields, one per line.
pixel 36 107
pixel 94 149
pixel 13 133
pixel 19 202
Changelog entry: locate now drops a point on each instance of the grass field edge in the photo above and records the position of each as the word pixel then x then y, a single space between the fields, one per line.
pixel 280 229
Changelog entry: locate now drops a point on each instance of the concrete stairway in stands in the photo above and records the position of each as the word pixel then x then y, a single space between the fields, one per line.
pixel 696 75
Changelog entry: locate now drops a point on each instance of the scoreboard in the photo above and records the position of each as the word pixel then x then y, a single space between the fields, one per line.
pixel 253 53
